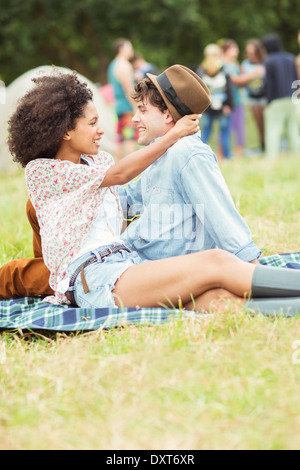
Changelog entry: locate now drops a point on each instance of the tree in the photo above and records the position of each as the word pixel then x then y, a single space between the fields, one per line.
pixel 79 34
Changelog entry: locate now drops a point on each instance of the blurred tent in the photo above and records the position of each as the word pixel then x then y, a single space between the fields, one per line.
pixel 22 84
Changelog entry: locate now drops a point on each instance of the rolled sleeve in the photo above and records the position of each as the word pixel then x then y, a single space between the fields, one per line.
pixel 248 252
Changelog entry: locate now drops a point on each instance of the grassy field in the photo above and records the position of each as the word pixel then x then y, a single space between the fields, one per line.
pixel 221 381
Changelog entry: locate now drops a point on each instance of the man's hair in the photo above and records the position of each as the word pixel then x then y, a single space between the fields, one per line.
pixel 272 43
pixel 118 44
pixel 146 89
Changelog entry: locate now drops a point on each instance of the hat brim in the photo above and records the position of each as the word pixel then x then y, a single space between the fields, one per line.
pixel 175 114
pixel 193 83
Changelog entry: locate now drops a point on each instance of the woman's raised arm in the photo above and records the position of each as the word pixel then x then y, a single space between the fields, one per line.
pixel 134 163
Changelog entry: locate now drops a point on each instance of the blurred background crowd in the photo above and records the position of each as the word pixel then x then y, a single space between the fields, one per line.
pixel 253 75
pixel 264 80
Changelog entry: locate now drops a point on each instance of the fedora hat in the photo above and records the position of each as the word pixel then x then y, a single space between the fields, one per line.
pixel 182 90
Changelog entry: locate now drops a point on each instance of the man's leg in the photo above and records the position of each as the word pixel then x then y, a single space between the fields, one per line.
pixel 26 277
pixel 36 237
pixel 274 125
pixel 292 130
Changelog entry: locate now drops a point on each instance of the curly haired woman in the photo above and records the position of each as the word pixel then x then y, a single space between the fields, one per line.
pixel 55 134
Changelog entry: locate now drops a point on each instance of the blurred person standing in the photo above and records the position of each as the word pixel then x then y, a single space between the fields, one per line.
pixel 298 95
pixel 280 113
pixel 256 88
pixel 212 72
pixel 298 56
pixel 232 67
pixel 141 67
pixel 121 77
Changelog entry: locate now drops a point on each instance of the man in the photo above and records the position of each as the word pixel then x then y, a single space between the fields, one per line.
pixel 141 67
pixel 280 113
pixel 121 77
pixel 183 200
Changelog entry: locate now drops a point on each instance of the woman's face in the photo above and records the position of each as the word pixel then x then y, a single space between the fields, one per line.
pixel 86 137
pixel 251 53
pixel 233 52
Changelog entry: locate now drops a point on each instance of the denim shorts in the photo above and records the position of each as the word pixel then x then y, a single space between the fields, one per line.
pixel 101 277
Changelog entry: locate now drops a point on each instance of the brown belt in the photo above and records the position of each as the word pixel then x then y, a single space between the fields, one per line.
pixel 91 260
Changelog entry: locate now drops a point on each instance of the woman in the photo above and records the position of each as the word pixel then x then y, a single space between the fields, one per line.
pixel 256 87
pixel 239 79
pixel 55 134
pixel 212 72
pixel 230 53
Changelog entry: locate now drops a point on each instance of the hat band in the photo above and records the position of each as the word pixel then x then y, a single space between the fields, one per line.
pixel 170 93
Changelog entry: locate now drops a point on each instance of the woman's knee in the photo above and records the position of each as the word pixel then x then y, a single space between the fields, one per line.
pixel 217 257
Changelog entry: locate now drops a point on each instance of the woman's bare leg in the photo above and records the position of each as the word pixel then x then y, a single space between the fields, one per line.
pixel 214 300
pixel 258 114
pixel 183 277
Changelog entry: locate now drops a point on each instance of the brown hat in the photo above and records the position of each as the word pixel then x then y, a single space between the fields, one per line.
pixel 182 90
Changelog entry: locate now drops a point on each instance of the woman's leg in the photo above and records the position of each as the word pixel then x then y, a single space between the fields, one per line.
pixel 36 237
pixel 184 277
pixel 206 127
pixel 258 114
pixel 237 127
pixel 215 299
pixel 224 122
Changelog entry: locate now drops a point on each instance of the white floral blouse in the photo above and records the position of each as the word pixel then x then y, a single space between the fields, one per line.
pixel 66 197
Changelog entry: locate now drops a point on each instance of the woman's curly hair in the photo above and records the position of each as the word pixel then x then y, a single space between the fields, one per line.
pixel 45 114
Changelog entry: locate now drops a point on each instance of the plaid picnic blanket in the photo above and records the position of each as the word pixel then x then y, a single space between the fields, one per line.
pixel 284 260
pixel 34 314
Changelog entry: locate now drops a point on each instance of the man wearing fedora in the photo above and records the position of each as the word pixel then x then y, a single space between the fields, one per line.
pixel 181 203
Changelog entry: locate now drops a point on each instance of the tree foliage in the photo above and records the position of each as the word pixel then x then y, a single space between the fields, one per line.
pixel 79 35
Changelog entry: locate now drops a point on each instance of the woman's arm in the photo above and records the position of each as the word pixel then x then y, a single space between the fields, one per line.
pixel 244 78
pixel 132 165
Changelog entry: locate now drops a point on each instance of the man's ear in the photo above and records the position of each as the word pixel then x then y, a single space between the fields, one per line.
pixel 168 117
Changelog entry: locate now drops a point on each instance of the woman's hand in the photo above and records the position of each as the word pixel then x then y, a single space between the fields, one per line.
pixel 187 125
pixel 132 165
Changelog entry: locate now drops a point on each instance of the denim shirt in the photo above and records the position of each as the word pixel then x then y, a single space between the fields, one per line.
pixel 185 206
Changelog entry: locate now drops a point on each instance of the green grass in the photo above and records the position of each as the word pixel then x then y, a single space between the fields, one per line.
pixel 222 381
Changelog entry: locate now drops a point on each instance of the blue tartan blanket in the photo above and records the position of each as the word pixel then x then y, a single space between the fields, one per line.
pixel 284 260
pixel 32 313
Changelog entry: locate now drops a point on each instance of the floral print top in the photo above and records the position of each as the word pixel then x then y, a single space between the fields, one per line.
pixel 66 197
